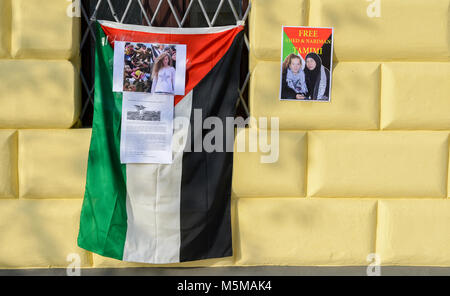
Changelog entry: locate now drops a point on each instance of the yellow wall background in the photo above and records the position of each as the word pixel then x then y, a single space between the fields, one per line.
pixel 366 173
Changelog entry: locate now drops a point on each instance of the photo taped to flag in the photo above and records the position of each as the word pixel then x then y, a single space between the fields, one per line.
pixel 149 67
pixel 306 63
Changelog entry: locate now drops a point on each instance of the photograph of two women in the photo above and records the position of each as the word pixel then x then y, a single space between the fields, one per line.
pixel 306 64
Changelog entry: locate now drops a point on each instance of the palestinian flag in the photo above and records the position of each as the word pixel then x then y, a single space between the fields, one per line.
pixel 163 213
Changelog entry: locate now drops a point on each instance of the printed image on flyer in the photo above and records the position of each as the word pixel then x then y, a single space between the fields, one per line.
pixel 149 68
pixel 306 64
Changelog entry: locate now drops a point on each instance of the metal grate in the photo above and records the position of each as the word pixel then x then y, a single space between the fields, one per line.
pixel 173 13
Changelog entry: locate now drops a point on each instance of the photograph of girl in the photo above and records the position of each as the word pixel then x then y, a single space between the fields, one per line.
pixel 163 75
pixel 304 79
pixel 149 68
pixel 293 83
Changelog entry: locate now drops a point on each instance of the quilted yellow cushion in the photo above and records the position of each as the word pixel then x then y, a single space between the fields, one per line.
pixel 44 29
pixel 38 94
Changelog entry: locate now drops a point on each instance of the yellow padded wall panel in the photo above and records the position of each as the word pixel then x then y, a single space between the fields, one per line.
pixel 295 231
pixel 5 28
pixel 415 96
pixel 377 164
pixel 355 97
pixel 8 164
pixel 42 233
pixel 266 19
pixel 43 29
pixel 38 94
pixel 405 30
pixel 285 176
pixel 53 163
pixel 414 232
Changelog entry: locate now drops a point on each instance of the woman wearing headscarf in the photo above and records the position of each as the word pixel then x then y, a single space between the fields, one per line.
pixel 317 78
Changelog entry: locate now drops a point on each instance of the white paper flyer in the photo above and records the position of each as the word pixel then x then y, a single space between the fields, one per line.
pixel 147 128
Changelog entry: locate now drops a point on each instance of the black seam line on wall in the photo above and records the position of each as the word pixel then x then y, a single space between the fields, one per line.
pixel 380 96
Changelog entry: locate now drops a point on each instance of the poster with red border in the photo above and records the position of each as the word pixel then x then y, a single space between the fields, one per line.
pixel 306 63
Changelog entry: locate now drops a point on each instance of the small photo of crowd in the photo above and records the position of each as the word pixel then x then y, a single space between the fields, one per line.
pixel 305 79
pixel 144 115
pixel 149 68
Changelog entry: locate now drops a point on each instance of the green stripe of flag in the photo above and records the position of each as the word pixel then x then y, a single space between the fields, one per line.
pixel 103 222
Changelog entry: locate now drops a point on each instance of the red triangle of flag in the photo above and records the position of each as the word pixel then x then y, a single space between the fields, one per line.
pixel 307 40
pixel 203 51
